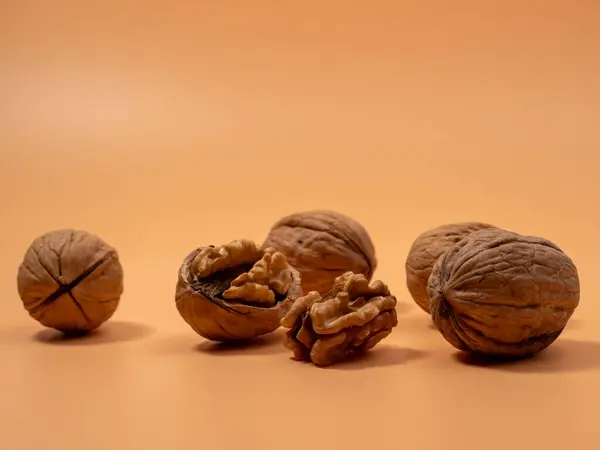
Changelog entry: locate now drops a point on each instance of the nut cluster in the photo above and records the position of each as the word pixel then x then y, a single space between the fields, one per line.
pixel 350 318
pixel 488 291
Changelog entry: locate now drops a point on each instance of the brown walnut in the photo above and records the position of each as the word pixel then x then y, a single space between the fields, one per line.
pixel 70 280
pixel 425 251
pixel 236 291
pixel 502 294
pixel 323 245
pixel 350 319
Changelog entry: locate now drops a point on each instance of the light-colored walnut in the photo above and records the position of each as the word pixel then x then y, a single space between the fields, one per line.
pixel 351 318
pixel 425 251
pixel 502 294
pixel 236 291
pixel 323 245
pixel 70 280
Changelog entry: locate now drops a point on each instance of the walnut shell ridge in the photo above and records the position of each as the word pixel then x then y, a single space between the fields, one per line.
pixel 350 319
pixel 502 294
pixel 70 280
pixel 425 251
pixel 236 291
pixel 323 245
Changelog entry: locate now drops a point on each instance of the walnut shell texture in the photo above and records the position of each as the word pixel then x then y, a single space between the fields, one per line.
pixel 70 280
pixel 323 245
pixel 351 318
pixel 501 294
pixel 425 251
pixel 236 291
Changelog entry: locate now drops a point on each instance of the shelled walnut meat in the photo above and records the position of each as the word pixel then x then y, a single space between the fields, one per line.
pixel 70 280
pixel 323 245
pixel 425 251
pixel 502 294
pixel 350 319
pixel 236 291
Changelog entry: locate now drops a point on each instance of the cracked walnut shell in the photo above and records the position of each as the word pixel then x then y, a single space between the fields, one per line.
pixel 236 291
pixel 70 280
pixel 352 317
pixel 502 294
pixel 425 251
pixel 323 245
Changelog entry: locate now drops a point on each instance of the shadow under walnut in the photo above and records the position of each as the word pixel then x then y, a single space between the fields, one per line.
pixel 111 333
pixel 236 291
pixel 351 318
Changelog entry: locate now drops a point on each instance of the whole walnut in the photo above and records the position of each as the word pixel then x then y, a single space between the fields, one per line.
pixel 70 280
pixel 350 319
pixel 236 291
pixel 502 294
pixel 425 251
pixel 323 245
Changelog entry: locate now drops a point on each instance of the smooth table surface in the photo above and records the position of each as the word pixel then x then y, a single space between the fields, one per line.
pixel 162 127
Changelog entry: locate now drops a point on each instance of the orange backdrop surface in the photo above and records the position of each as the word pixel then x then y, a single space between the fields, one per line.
pixel 161 126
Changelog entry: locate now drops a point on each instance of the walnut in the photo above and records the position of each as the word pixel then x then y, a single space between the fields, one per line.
pixel 425 251
pixel 323 245
pixel 236 291
pixel 502 294
pixel 351 318
pixel 70 280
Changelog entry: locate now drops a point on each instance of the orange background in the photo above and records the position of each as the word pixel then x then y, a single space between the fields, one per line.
pixel 161 126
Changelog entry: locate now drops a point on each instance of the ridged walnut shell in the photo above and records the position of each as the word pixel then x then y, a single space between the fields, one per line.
pixel 70 280
pixel 425 251
pixel 236 291
pixel 323 245
pixel 502 294
pixel 350 319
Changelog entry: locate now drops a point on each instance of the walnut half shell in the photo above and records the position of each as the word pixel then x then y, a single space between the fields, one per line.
pixel 351 317
pixel 236 291
pixel 502 294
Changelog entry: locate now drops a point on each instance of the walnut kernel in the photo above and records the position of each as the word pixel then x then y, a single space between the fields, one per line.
pixel 425 251
pixel 502 294
pixel 70 280
pixel 236 291
pixel 351 318
pixel 323 245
